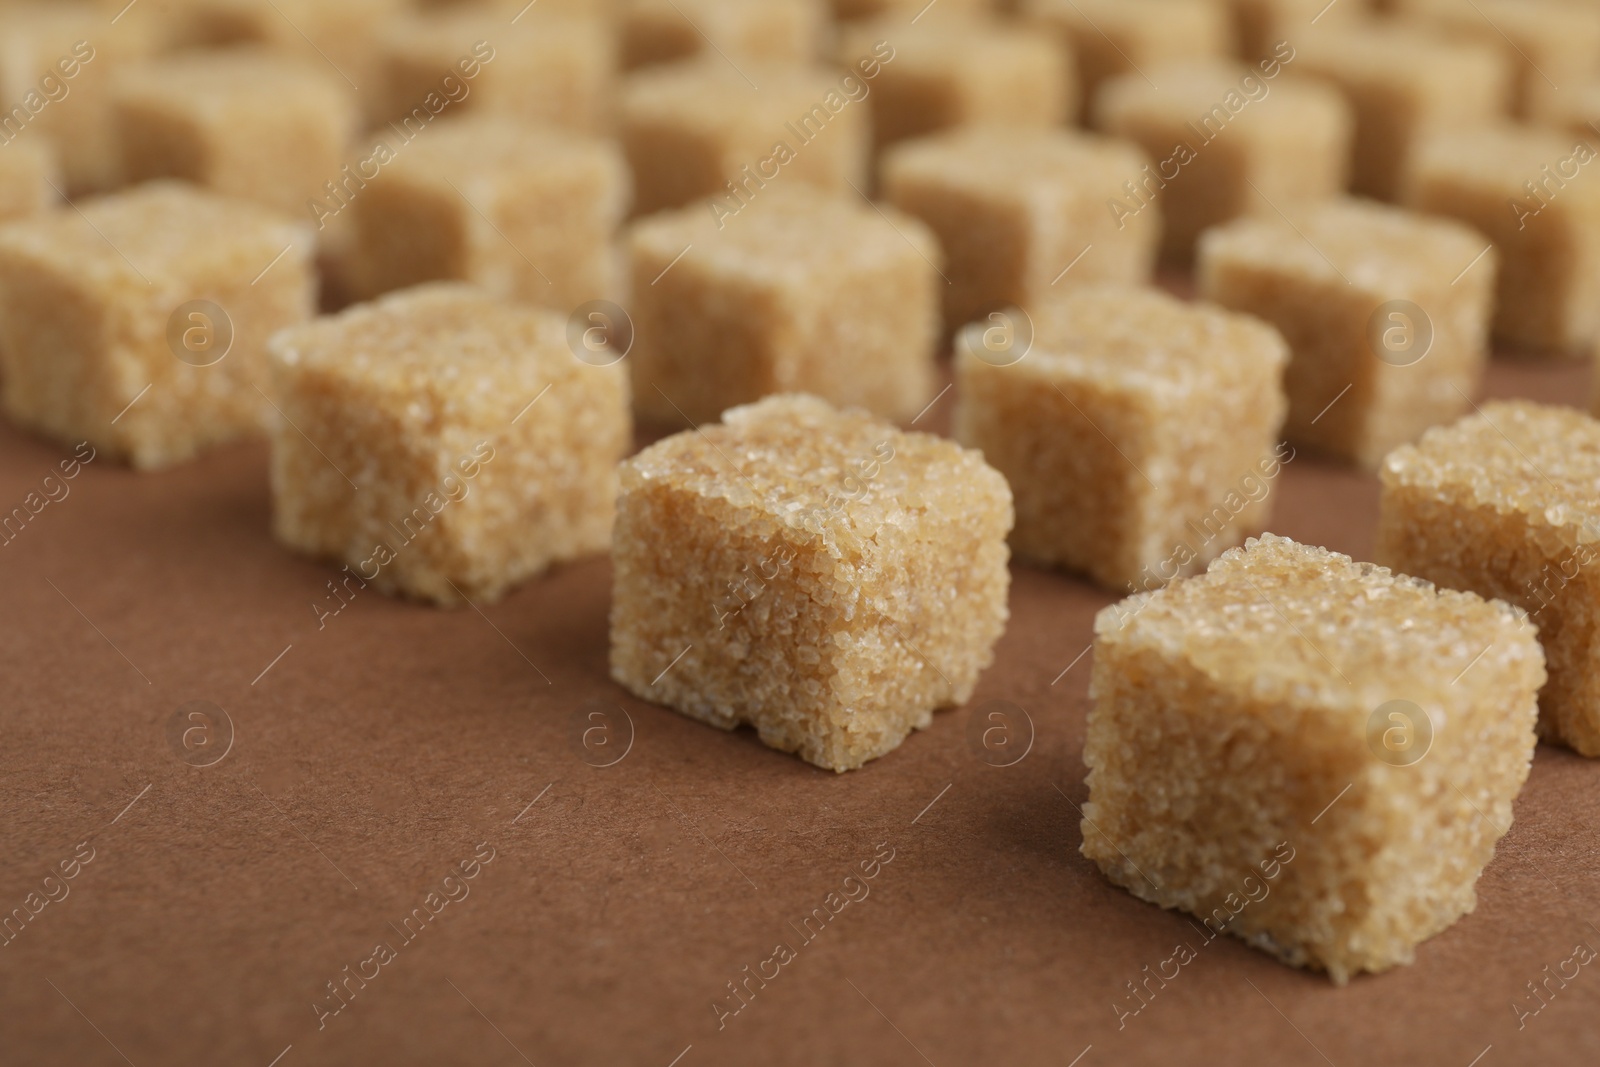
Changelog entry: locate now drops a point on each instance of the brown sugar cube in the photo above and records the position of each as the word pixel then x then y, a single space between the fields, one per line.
pixel 1139 433
pixel 1386 314
pixel 1546 42
pixel 833 587
pixel 55 73
pixel 958 72
pixel 1402 81
pixel 29 180
pixel 409 447
pixel 338 36
pixel 1261 142
pixel 252 124
pixel 1536 194
pixel 141 324
pixel 697 130
pixel 525 212
pixel 1503 504
pixel 1260 25
pixel 798 291
pixel 545 68
pixel 1111 37
pixel 759 31
pixel 1021 214
pixel 1301 751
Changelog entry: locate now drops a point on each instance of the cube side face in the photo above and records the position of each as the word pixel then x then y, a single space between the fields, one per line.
pixel 671 164
pixel 281 155
pixel 832 159
pixel 537 492
pixel 775 32
pixel 834 659
pixel 862 336
pixel 909 103
pixel 1410 398
pixel 551 241
pixel 1550 257
pixel 408 233
pixel 53 338
pixel 1020 81
pixel 155 143
pixel 1324 324
pixel 1197 804
pixel 1214 457
pixel 985 238
pixel 703 342
pixel 1387 116
pixel 655 35
pixel 1080 502
pixel 1209 189
pixel 316 507
pixel 565 83
pixel 1122 243
pixel 1456 543
pixel 27 177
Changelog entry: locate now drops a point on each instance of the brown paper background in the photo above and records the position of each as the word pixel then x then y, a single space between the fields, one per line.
pixel 381 750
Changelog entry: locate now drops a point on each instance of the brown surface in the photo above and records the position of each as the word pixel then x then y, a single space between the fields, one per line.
pixel 379 752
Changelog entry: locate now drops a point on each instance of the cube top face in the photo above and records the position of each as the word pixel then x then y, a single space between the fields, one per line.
pixel 1500 160
pixel 1386 252
pixel 1538 461
pixel 1134 340
pixel 1263 110
pixel 1447 77
pixel 789 238
pixel 713 100
pixel 28 170
pixel 1024 168
pixel 1289 624
pixel 231 85
pixel 797 464
pixel 167 234
pixel 437 353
